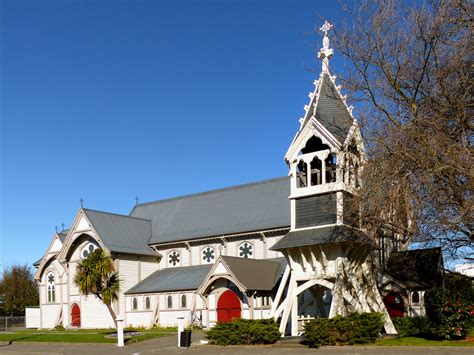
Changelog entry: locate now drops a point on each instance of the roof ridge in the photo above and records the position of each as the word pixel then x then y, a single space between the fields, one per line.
pixel 260 182
pixel 116 214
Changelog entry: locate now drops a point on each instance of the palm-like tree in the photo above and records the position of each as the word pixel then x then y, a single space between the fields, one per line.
pixel 96 275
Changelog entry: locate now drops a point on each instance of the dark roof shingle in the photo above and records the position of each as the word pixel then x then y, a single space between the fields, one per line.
pixel 417 269
pixel 319 236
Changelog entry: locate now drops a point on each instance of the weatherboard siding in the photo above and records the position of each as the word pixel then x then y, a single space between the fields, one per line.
pixel 94 314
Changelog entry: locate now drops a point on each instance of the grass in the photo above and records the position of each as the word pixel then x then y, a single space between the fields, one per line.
pixel 420 341
pixel 80 335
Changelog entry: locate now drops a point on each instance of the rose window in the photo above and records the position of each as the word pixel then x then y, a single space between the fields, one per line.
pixel 174 258
pixel 245 249
pixel 208 254
pixel 51 278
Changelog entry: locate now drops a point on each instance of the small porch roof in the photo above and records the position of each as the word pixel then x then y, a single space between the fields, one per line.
pixel 320 236
pixel 172 279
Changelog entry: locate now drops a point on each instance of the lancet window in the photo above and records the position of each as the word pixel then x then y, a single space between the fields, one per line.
pixel 51 287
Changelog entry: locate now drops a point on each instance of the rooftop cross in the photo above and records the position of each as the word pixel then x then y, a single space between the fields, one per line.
pixel 325 53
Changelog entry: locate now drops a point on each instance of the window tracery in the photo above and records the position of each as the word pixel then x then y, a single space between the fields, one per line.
pixel 245 249
pixel 174 258
pixel 88 249
pixel 208 254
pixel 51 287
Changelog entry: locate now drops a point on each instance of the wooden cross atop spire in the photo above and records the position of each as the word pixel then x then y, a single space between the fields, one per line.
pixel 325 53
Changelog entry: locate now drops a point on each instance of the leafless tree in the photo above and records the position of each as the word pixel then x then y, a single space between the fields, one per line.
pixel 411 71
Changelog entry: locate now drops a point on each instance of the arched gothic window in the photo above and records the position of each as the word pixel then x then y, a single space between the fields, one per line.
pixel 245 250
pixel 183 301
pixel 301 174
pixel 134 303
pixel 169 302
pixel 316 171
pixel 208 254
pixel 51 287
pixel 415 297
pixel 331 165
pixel 147 303
pixel 174 258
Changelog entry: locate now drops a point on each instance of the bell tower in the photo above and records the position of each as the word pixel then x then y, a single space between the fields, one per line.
pixel 329 269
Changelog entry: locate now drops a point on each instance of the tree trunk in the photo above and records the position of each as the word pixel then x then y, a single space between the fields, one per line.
pixel 112 313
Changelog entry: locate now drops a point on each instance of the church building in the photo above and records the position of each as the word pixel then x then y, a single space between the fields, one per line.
pixel 290 248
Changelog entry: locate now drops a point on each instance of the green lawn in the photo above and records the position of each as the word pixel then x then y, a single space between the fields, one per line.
pixel 417 341
pixel 80 335
pixel 420 341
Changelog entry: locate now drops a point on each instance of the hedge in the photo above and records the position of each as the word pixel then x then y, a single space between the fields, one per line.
pixel 354 329
pixel 244 331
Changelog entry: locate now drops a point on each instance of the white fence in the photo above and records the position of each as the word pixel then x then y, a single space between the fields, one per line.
pixel 32 317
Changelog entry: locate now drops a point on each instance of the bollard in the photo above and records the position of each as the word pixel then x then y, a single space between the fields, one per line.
pixel 120 330
pixel 180 329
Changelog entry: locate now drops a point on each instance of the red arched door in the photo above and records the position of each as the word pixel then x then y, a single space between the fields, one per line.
pixel 228 307
pixel 394 303
pixel 75 316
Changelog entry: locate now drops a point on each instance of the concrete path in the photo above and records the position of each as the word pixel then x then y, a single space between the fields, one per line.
pixel 168 345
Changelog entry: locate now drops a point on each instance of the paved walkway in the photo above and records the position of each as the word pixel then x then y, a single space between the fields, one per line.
pixel 167 345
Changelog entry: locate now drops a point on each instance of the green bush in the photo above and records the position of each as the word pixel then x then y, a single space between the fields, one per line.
pixel 244 331
pixel 449 313
pixel 354 329
pixel 407 326
pixel 59 328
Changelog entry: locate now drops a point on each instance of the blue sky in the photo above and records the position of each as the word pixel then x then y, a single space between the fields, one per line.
pixel 108 100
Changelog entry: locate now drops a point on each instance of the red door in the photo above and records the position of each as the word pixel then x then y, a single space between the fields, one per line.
pixel 394 303
pixel 75 316
pixel 228 307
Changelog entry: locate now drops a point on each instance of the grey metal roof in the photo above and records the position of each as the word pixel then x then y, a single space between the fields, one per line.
pixel 38 262
pixel 319 236
pixel 244 208
pixel 122 234
pixel 63 234
pixel 331 111
pixel 256 274
pixel 172 279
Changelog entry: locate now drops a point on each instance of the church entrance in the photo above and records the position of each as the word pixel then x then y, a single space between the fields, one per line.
pixel 75 316
pixel 395 305
pixel 228 307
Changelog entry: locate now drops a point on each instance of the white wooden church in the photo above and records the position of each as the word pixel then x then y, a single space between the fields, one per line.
pixel 287 248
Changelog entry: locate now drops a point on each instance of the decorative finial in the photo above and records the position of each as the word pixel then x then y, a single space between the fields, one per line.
pixel 63 225
pixel 136 200
pixel 56 228
pixel 82 202
pixel 325 53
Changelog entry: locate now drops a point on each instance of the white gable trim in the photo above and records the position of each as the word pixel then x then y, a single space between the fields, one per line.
pixel 219 270
pixel 81 225
pixel 50 253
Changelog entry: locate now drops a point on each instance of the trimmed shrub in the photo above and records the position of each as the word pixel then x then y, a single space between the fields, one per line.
pixel 244 331
pixel 354 329
pixel 407 326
